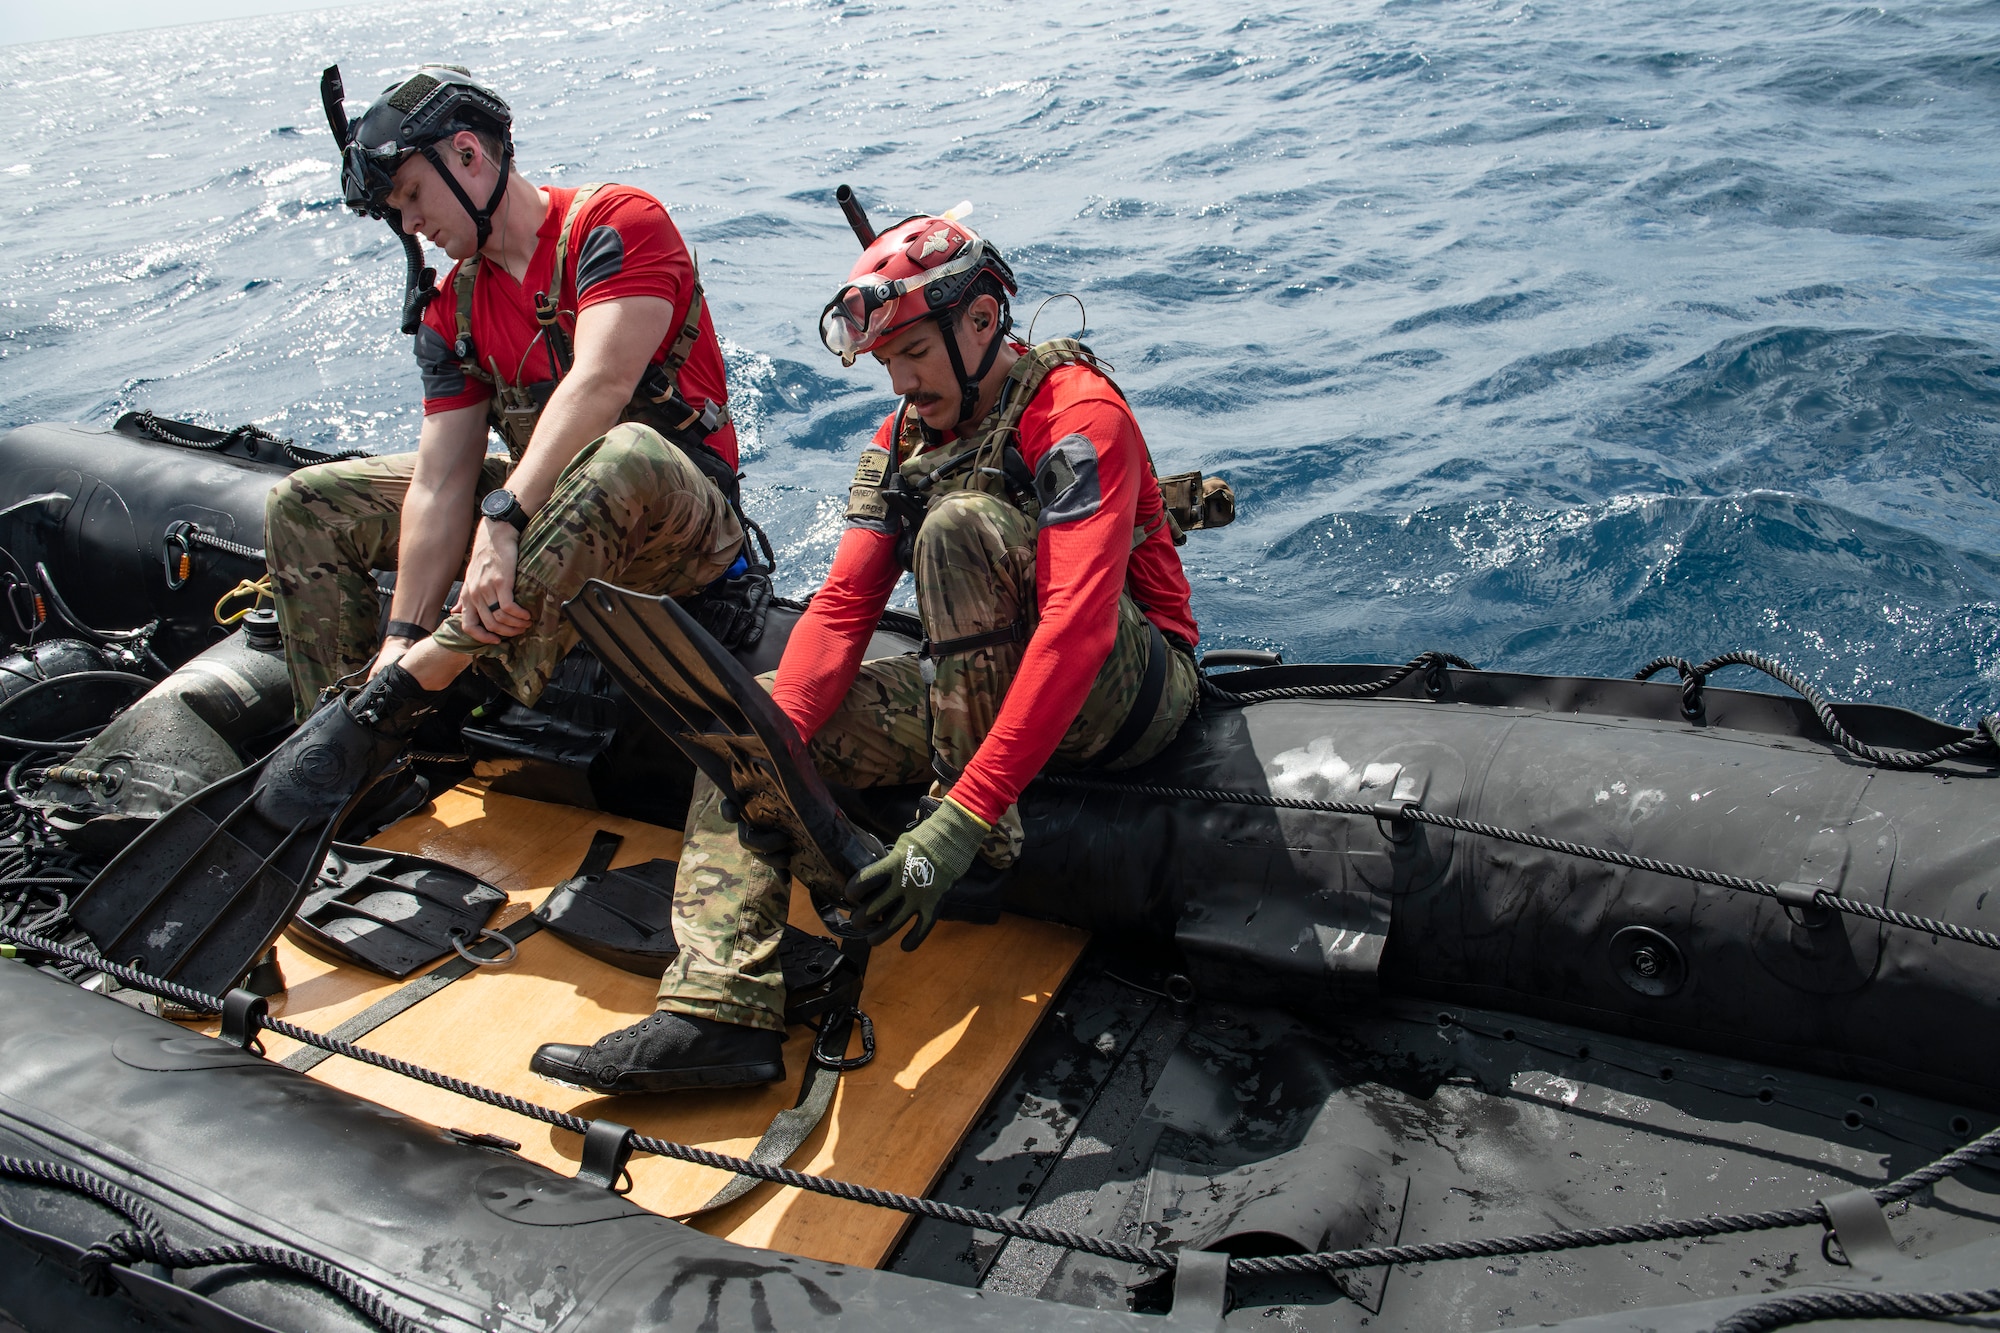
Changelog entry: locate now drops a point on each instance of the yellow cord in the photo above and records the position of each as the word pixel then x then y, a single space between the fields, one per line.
pixel 259 590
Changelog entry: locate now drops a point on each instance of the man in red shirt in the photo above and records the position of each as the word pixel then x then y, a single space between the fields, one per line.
pixel 573 324
pixel 1015 484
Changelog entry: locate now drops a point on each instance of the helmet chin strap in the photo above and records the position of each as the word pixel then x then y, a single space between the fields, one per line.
pixel 968 385
pixel 482 218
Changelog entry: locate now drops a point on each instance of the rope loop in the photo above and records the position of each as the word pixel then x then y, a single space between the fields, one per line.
pixel 1432 663
pixel 1984 742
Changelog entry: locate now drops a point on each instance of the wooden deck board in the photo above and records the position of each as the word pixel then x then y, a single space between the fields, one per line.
pixel 949 1020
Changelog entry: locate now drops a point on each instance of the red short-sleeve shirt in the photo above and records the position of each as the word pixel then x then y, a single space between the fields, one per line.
pixel 621 244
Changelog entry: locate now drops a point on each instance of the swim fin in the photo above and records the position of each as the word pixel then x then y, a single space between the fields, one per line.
pixel 695 691
pixel 204 891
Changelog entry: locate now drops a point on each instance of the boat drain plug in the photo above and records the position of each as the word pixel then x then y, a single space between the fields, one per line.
pixel 1648 961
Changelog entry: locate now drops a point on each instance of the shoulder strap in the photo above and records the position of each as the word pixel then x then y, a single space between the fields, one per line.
pixel 576 204
pixel 1032 369
pixel 683 347
pixel 461 290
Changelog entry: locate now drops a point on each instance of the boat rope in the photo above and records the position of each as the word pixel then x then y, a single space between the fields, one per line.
pixel 1432 664
pixel 147 1243
pixel 164 431
pixel 1809 1307
pixel 1397 811
pixel 1020 1228
pixel 1984 741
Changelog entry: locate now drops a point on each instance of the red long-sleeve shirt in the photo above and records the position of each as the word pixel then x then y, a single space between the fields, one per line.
pixel 1084 557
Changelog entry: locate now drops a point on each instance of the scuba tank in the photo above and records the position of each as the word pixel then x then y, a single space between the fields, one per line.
pixel 192 729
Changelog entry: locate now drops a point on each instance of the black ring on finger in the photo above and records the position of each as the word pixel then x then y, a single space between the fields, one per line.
pixel 492 606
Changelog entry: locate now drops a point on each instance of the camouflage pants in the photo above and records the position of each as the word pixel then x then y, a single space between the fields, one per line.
pixel 630 508
pixel 975 571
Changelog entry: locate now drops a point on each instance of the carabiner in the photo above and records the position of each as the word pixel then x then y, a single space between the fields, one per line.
pixel 177 554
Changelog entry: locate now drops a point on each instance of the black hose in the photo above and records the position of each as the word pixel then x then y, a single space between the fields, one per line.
pixel 138 640
pixel 65 746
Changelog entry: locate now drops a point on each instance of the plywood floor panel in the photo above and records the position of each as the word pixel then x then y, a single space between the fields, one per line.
pixel 949 1020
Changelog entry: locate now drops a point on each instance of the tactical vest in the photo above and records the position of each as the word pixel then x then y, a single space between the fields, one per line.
pixel 898 489
pixel 514 408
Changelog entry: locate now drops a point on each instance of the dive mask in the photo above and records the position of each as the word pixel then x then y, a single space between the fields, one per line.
pixel 865 311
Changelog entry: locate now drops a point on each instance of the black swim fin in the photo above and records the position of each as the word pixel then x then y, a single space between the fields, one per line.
pixel 204 891
pixel 695 691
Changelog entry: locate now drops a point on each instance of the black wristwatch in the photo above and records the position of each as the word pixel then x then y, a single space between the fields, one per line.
pixel 502 507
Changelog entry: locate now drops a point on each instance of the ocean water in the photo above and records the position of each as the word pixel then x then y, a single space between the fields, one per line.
pixel 1559 334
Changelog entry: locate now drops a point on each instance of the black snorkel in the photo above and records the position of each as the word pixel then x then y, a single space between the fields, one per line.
pixel 857 217
pixel 419 280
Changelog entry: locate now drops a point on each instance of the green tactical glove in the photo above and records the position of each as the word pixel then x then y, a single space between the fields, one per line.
pixel 917 872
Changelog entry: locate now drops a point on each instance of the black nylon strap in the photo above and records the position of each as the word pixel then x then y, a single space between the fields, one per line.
pixel 603 846
pixel 789 1128
pixel 1143 707
pixel 965 643
pixel 405 629
pixel 404 998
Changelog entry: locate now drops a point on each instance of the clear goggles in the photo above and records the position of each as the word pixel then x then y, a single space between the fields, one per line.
pixel 863 312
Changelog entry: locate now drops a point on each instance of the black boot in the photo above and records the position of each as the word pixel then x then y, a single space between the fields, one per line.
pixel 665 1052
pixel 340 750
pixel 400 792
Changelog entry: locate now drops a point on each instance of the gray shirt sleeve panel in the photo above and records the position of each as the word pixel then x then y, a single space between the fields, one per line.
pixel 602 256
pixel 1066 481
pixel 443 376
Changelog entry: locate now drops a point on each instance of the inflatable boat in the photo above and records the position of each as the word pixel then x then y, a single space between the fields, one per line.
pixel 1418 998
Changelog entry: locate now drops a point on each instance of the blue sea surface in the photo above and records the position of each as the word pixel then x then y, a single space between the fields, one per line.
pixel 1559 334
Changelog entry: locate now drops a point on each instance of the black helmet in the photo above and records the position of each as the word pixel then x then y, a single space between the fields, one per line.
pixel 412 116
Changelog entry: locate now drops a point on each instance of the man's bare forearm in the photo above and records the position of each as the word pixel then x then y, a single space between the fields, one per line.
pixel 438 515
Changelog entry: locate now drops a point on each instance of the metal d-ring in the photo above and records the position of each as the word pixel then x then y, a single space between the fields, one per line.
pixel 501 960
pixel 833 1059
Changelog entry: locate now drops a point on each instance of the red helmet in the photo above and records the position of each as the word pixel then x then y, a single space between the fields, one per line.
pixel 922 266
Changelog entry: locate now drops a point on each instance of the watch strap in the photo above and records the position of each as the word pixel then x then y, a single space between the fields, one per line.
pixel 405 629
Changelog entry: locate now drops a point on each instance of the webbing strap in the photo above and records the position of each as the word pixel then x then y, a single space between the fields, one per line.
pixel 683 347
pixel 1017 632
pixel 461 291
pixel 596 861
pixel 1144 706
pixel 576 203
pixel 406 997
pixel 788 1130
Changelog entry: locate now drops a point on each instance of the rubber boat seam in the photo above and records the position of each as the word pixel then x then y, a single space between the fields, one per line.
pixel 1406 810
pixel 1331 1261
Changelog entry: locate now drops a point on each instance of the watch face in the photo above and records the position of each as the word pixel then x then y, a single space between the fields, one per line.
pixel 496 504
